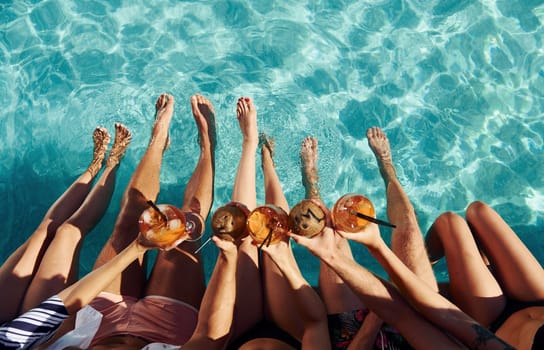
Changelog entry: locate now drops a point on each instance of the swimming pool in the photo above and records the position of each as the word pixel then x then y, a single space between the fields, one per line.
pixel 458 86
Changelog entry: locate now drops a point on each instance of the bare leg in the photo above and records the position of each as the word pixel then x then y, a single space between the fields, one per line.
pixel 215 315
pixel 272 186
pixel 244 190
pixel 165 278
pixel 472 286
pixel 249 300
pixel 336 295
pixel 308 167
pixel 407 240
pixel 19 268
pixel 297 296
pixel 513 264
pixel 59 267
pixel 277 291
pixel 199 190
pixel 143 186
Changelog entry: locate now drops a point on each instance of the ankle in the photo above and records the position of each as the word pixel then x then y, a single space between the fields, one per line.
pixel 94 167
pixel 250 143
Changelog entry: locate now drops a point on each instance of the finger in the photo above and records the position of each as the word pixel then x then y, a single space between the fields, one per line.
pixel 303 241
pixel 216 240
pixel 342 234
pixel 222 244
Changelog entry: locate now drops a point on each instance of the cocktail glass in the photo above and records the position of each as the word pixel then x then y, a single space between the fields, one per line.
pixel 229 221
pixel 308 218
pixel 344 212
pixel 268 224
pixel 162 226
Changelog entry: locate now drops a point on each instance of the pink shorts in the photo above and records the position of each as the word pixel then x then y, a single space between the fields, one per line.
pixel 153 318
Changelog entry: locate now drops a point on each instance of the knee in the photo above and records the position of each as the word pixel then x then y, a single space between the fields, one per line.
pixel 447 218
pixel 446 221
pixel 67 231
pixel 475 209
pixel 67 228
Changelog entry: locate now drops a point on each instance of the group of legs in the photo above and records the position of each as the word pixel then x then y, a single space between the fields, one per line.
pixel 494 277
pixel 352 324
pixel 268 280
pixel 49 259
pixel 275 306
pixel 39 269
pixel 177 298
pixel 487 264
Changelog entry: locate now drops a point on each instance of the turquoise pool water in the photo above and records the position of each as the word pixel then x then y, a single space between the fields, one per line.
pixel 458 86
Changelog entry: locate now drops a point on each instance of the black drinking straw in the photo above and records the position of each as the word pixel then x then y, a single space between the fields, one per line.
pixel 370 218
pixel 268 239
pixel 152 205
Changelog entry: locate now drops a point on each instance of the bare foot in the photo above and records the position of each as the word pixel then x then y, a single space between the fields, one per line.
pixel 164 111
pixel 379 144
pixel 120 145
pixel 308 166
pixel 247 118
pixel 101 139
pixel 205 121
pixel 267 145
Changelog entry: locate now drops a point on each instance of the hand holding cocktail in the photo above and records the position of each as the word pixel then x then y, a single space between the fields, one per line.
pixel 229 222
pixel 353 212
pixel 268 224
pixel 162 226
pixel 308 218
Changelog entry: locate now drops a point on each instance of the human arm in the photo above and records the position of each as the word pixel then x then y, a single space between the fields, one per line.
pixel 86 289
pixel 380 295
pixel 68 302
pixel 435 308
pixel 365 338
pixel 217 307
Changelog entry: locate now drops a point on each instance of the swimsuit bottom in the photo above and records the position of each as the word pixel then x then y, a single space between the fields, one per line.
pixel 153 318
pixel 512 306
pixel 538 340
pixel 344 326
pixel 264 329
pixel 35 326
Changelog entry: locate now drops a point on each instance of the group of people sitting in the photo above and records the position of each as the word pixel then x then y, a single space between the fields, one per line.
pixel 256 297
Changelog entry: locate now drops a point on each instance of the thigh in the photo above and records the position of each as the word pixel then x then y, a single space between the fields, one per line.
pixel 516 269
pixel 472 286
pixel 280 300
pixel 179 273
pixel 132 281
pixel 336 295
pixel 248 309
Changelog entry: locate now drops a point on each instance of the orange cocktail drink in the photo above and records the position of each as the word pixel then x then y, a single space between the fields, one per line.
pixel 268 224
pixel 344 212
pixel 163 225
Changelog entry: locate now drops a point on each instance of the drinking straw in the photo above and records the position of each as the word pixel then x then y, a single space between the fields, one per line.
pixel 152 205
pixel 186 254
pixel 203 244
pixel 310 214
pixel 370 218
pixel 268 239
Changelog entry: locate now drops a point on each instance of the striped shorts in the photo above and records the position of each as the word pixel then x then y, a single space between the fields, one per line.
pixel 35 326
